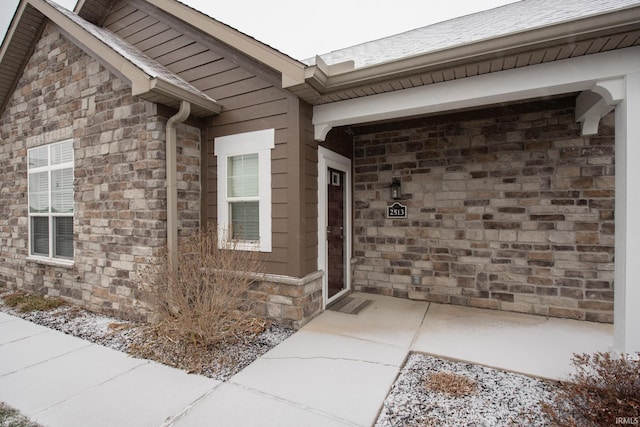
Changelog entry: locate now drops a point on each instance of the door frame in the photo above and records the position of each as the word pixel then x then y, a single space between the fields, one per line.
pixel 329 159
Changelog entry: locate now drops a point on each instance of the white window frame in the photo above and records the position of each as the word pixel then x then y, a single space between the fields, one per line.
pixel 49 168
pixel 260 142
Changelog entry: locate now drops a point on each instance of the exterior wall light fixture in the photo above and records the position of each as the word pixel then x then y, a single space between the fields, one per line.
pixel 396 189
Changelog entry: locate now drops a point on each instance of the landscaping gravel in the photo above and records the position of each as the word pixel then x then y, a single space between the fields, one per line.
pixel 500 399
pixel 140 340
pixel 10 417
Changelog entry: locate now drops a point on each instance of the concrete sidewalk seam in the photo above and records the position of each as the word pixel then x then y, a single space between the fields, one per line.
pixel 170 421
pixel 46 360
pixel 42 411
pixel 417 332
pixel 332 358
pixel 27 337
pixel 296 404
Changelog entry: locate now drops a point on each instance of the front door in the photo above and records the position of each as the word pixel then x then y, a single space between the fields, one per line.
pixel 334 223
pixel 335 232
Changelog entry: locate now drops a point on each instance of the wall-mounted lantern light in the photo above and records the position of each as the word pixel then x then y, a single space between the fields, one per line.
pixel 396 189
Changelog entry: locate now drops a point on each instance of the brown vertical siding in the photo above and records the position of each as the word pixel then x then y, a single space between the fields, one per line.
pixel 295 151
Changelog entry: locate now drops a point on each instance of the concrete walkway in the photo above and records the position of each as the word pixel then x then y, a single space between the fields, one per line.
pixel 336 371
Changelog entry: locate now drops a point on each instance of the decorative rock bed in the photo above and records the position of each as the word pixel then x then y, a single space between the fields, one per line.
pixel 499 399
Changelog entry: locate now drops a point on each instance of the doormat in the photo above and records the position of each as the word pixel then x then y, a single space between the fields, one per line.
pixel 350 305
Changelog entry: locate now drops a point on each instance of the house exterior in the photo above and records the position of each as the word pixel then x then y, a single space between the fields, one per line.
pixel 481 168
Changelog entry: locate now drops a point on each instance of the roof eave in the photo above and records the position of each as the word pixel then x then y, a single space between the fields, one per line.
pixel 201 106
pixel 13 58
pixel 141 83
pixel 327 82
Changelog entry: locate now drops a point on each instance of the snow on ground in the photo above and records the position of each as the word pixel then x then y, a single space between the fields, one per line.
pixel 501 398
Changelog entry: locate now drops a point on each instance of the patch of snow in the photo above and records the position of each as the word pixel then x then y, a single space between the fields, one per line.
pixel 501 399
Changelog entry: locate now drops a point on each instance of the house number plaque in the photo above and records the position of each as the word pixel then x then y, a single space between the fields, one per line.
pixel 396 210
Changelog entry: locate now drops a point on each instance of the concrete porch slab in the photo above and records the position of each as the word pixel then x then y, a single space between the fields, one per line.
pixel 341 377
pixel 387 320
pixel 233 405
pixel 529 344
pixel 310 344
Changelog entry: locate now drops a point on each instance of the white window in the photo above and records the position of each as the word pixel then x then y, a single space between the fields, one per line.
pixel 244 189
pixel 50 176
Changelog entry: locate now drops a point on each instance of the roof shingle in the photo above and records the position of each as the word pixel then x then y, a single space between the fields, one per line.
pixel 501 21
pixel 149 66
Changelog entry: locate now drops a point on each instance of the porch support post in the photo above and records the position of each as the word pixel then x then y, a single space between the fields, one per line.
pixel 627 224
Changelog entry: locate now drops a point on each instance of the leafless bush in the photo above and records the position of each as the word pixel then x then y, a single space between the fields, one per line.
pixel 604 391
pixel 202 297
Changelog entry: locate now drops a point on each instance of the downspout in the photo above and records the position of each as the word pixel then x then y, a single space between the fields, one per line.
pixel 172 187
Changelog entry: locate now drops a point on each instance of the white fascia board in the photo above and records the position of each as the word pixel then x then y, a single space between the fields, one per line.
pixel 565 76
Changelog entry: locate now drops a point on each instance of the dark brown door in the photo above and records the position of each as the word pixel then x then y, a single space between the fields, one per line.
pixel 335 232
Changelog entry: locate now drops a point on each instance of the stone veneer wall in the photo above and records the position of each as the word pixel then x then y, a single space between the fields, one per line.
pixel 508 208
pixel 288 301
pixel 120 189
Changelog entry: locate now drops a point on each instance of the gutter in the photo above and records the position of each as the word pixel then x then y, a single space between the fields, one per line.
pixel 172 188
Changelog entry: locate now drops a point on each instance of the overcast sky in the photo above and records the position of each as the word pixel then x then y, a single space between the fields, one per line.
pixel 304 29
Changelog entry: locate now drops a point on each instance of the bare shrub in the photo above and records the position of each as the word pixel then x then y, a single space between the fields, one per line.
pixel 449 383
pixel 604 391
pixel 202 298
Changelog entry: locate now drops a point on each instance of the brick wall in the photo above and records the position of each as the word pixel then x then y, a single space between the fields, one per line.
pixel 120 188
pixel 508 208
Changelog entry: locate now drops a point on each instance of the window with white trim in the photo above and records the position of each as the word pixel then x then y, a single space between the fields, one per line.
pixel 50 177
pixel 244 189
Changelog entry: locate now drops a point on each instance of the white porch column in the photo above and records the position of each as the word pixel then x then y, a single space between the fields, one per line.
pixel 627 220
